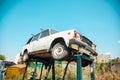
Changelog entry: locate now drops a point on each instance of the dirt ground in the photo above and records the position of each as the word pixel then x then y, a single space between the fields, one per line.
pixel 108 76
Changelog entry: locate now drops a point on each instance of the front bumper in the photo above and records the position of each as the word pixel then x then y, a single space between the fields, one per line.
pixel 82 47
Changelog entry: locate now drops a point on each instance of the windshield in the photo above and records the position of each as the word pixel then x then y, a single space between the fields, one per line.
pixel 29 40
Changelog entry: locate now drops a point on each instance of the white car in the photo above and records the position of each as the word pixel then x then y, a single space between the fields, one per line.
pixel 59 45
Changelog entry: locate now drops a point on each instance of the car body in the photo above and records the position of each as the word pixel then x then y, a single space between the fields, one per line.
pixel 59 45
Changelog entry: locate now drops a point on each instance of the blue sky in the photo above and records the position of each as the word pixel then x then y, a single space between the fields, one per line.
pixel 99 20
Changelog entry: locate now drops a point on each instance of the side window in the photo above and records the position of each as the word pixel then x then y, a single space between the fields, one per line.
pixel 44 33
pixel 53 31
pixel 35 37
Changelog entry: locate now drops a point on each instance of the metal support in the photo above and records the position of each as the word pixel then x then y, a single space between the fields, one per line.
pixel 53 70
pixel 92 71
pixel 79 67
pixel 25 70
pixel 77 57
pixel 41 72
pixel 65 70
pixel 49 67
pixel 35 68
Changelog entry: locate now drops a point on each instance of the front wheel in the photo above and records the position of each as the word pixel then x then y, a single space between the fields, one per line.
pixel 59 51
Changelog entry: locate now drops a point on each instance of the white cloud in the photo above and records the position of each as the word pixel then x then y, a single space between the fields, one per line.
pixel 119 41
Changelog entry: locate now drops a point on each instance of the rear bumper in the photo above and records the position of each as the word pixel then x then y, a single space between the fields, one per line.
pixel 82 47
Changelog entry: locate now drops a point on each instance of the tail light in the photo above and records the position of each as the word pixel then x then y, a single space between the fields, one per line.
pixel 75 34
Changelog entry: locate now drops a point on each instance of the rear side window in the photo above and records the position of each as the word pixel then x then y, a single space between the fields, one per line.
pixel 44 33
pixel 35 37
pixel 53 31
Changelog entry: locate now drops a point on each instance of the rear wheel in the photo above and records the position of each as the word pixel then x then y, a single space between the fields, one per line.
pixel 25 56
pixel 85 63
pixel 60 51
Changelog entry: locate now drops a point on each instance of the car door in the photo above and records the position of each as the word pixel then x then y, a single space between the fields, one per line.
pixel 43 40
pixel 40 41
pixel 34 42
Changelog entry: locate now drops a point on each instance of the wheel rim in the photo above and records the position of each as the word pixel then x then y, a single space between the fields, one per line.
pixel 58 51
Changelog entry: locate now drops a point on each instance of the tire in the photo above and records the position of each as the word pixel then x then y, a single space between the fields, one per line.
pixel 25 56
pixel 60 51
pixel 85 63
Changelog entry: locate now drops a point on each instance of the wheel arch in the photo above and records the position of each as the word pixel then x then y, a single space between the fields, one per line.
pixel 25 51
pixel 60 39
